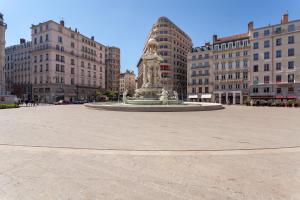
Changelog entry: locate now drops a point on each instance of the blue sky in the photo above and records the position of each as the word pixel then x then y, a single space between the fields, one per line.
pixel 126 23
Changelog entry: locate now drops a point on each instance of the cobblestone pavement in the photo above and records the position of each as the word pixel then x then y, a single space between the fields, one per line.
pixel 72 152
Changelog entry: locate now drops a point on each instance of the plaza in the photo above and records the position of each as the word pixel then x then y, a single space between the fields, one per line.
pixel 74 152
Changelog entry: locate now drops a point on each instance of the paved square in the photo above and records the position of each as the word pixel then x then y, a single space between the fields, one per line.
pixel 72 152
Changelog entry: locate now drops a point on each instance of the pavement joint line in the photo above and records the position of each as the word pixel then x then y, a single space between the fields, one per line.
pixel 164 151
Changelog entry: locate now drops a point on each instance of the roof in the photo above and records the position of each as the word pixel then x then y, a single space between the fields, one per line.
pixel 232 38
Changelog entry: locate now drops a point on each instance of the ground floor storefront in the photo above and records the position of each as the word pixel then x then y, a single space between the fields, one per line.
pixel 55 92
pixel 231 97
pixel 200 98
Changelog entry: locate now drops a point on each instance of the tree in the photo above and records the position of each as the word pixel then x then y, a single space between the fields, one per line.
pixel 110 94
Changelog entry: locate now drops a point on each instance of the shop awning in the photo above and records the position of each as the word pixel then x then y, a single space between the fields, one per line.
pixel 280 97
pixel 193 96
pixel 291 97
pixel 206 96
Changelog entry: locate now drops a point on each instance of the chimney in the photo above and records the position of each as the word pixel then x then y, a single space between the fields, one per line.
pixel 62 22
pixel 93 38
pixel 250 26
pixel 285 18
pixel 75 30
pixel 215 37
pixel 22 41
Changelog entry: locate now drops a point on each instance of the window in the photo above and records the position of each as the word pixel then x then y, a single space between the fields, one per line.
pixel 266 79
pixel 255 56
pixel 278 78
pixel 278 30
pixel 278 42
pixel 291 39
pixel 267 55
pixel 72 62
pixel 290 90
pixel 62 58
pixel 47 38
pixel 200 90
pixel 72 70
pixel 237 64
pixel 41 39
pixel 35 40
pixel 267 43
pixel 57 67
pixel 59 39
pixel 237 54
pixel 206 89
pixel 291 52
pixel 255 68
pixel 72 81
pixel 47 67
pixel 278 90
pixel 291 78
pixel 278 54
pixel 41 68
pixel 266 89
pixel 237 75
pixel 245 75
pixel 255 45
pixel 47 57
pixel 57 57
pixel 266 32
pixel 62 68
pixel 255 34
pixel 278 66
pixel 291 27
pixel 291 65
pixel 255 90
pixel 266 67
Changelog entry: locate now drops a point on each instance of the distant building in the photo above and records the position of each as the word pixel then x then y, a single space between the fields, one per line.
pixel 199 74
pixel 174 45
pixel 275 61
pixel 127 82
pixel 112 68
pixel 3 27
pixel 18 69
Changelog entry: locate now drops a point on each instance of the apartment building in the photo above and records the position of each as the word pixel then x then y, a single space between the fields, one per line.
pixel 127 82
pixel 3 27
pixel 173 46
pixel 275 60
pixel 65 64
pixel 112 68
pixel 199 74
pixel 18 69
pixel 230 62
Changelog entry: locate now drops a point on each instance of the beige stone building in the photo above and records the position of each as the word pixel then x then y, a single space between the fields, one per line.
pixel 230 66
pixel 112 68
pixel 65 64
pixel 127 82
pixel 275 60
pixel 3 27
pixel 199 74
pixel 18 69
pixel 173 47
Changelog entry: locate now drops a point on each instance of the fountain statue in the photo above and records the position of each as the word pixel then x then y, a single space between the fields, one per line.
pixel 152 92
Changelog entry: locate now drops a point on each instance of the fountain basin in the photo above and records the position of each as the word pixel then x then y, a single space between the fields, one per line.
pixel 184 107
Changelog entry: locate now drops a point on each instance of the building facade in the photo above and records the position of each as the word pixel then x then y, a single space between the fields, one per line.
pixel 127 82
pixel 199 80
pixel 173 47
pixel 112 69
pixel 275 60
pixel 18 70
pixel 3 27
pixel 65 64
pixel 230 62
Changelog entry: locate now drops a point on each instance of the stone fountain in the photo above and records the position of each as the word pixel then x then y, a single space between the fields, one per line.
pixel 152 97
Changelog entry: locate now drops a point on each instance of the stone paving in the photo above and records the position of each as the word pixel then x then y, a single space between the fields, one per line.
pixel 72 152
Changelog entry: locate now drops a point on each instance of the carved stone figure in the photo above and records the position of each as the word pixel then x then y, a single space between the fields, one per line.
pixel 164 96
pixel 125 96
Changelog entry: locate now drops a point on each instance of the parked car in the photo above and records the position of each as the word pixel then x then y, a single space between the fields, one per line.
pixel 80 102
pixel 61 102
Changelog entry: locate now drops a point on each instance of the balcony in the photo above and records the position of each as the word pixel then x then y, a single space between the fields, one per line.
pixel 201 66
pixel 195 75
